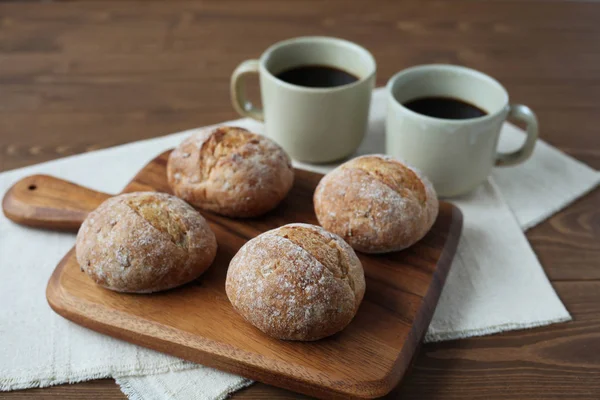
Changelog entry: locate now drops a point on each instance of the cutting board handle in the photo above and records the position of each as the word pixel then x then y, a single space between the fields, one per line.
pixel 47 202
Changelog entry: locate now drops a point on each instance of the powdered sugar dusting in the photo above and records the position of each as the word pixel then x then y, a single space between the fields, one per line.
pixel 133 255
pixel 298 299
pixel 368 213
pixel 230 171
pixel 431 193
pixel 199 138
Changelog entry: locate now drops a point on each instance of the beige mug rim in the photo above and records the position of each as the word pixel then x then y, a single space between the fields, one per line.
pixel 447 67
pixel 319 39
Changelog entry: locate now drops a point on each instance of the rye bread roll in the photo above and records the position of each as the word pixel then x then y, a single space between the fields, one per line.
pixel 144 242
pixel 296 282
pixel 230 171
pixel 376 203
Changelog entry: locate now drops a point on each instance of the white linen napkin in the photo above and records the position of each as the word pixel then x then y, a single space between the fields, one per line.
pixel 489 289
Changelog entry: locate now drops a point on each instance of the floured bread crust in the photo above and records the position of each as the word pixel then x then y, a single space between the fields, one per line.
pixel 376 203
pixel 296 282
pixel 230 171
pixel 144 242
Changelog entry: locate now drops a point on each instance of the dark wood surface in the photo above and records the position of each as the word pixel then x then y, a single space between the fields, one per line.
pixel 366 360
pixel 79 76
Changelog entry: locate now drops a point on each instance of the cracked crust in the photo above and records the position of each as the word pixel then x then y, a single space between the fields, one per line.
pixel 144 242
pixel 230 171
pixel 376 203
pixel 296 282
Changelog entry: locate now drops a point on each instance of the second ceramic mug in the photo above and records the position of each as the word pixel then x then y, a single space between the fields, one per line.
pixel 311 124
pixel 455 154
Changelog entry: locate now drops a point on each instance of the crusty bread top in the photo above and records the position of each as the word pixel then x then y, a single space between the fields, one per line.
pixel 296 282
pixel 399 177
pixel 376 203
pixel 230 171
pixel 158 212
pixel 328 249
pixel 144 242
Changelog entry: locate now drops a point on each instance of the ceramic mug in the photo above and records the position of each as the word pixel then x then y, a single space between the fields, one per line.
pixel 456 154
pixel 311 124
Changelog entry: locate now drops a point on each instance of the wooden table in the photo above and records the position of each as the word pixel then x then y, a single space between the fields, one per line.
pixel 80 76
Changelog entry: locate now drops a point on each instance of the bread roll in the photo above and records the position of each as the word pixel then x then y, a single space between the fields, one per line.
pixel 230 171
pixel 377 204
pixel 296 282
pixel 144 242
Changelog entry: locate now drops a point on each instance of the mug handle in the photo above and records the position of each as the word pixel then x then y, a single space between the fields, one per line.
pixel 238 90
pixel 523 113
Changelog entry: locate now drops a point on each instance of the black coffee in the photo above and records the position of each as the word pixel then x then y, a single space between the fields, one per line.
pixel 444 107
pixel 316 76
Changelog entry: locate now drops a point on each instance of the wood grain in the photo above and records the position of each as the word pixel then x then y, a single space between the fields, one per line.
pixel 62 64
pixel 366 360
pixel 42 201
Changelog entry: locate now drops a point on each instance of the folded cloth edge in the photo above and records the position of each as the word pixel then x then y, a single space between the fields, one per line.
pixel 27 382
pixel 132 394
pixel 469 333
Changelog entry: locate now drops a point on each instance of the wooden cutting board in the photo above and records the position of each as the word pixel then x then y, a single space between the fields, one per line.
pixel 196 322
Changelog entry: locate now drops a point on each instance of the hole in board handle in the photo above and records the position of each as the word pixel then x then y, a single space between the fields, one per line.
pixel 32 187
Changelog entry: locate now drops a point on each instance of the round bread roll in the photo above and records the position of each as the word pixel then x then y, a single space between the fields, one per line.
pixel 144 242
pixel 376 203
pixel 230 171
pixel 296 282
